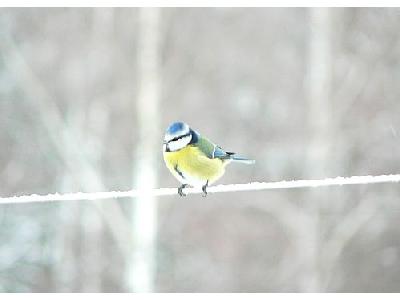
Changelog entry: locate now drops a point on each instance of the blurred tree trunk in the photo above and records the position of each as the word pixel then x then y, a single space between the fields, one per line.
pixel 141 270
pixel 320 126
pixel 91 229
pixel 68 237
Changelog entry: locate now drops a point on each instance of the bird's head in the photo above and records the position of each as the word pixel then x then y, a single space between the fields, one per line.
pixel 177 136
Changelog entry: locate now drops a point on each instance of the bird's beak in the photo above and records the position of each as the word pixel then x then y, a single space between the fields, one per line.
pixel 165 146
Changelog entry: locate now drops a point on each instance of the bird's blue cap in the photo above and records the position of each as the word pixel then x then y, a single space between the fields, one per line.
pixel 177 127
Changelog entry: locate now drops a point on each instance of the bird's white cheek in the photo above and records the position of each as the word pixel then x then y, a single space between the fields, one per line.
pixel 179 144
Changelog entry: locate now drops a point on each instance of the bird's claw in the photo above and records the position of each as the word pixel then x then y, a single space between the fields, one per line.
pixel 180 190
pixel 182 194
pixel 204 189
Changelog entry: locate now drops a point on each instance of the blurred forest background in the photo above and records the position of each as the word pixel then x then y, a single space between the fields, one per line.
pixel 86 94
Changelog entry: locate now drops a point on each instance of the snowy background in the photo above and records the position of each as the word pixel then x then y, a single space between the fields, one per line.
pixel 86 94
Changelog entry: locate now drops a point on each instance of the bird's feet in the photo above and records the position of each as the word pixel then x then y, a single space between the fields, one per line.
pixel 182 194
pixel 204 189
pixel 180 189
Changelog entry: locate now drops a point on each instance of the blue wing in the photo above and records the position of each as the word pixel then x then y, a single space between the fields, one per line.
pixel 211 150
pixel 220 153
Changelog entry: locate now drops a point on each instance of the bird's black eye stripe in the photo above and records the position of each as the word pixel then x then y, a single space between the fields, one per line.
pixel 179 137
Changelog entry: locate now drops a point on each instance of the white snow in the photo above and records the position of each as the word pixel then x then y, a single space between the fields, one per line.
pixel 253 186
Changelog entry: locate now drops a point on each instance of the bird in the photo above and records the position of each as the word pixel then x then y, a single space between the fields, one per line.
pixel 193 159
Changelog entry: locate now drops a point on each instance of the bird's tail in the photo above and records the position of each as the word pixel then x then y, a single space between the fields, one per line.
pixel 240 159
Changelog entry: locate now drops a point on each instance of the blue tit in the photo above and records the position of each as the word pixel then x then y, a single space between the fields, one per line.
pixel 193 159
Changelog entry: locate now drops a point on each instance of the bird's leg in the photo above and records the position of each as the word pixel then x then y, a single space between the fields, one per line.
pixel 180 192
pixel 204 189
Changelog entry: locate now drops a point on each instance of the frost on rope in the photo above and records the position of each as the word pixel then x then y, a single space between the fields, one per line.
pixel 253 186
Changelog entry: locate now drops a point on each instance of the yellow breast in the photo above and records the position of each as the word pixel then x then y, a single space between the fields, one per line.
pixel 194 167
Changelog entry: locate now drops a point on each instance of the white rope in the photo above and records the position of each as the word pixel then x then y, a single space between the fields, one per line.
pixel 253 186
